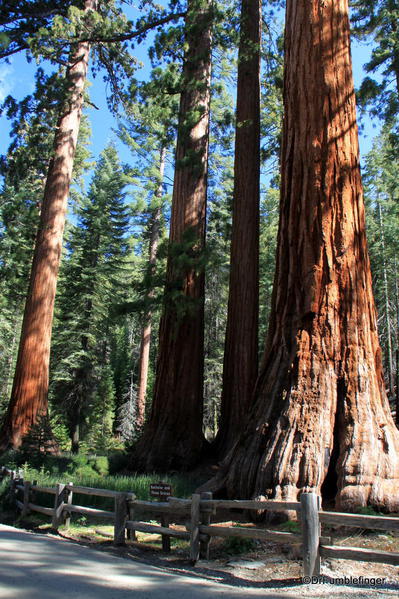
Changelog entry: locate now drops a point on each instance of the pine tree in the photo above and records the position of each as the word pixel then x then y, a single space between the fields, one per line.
pixel 381 192
pixel 378 20
pixel 149 130
pixel 90 284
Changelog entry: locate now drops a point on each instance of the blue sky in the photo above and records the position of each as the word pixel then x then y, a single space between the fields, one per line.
pixel 17 78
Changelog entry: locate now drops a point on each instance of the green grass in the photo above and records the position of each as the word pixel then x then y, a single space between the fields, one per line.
pixel 291 526
pixel 139 484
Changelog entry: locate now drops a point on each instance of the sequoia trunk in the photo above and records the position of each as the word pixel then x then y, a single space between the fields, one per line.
pixel 29 393
pixel 173 436
pixel 321 419
pixel 240 366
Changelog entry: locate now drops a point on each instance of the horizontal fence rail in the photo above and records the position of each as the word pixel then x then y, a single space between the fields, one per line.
pixel 197 514
pixel 359 521
pixel 359 554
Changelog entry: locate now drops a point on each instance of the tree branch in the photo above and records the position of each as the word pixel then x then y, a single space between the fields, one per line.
pixel 133 34
pixel 22 45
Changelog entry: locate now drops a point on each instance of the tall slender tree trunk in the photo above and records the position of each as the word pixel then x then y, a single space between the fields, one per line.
pixel 397 343
pixel 173 436
pixel 321 419
pixel 146 330
pixel 240 367
pixel 391 376
pixel 29 394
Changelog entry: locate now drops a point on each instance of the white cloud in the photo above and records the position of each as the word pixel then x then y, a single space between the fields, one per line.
pixel 6 80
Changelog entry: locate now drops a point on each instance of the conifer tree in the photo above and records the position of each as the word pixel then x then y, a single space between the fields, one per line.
pixel 91 283
pixel 149 130
pixel 381 191
pixel 241 348
pixel 378 20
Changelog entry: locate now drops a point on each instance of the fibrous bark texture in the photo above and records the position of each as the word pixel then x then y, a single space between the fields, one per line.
pixel 29 393
pixel 321 419
pixel 173 436
pixel 240 367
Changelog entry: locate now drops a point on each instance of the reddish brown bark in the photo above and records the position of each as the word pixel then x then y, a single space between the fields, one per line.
pixel 240 367
pixel 29 394
pixel 321 413
pixel 147 327
pixel 173 436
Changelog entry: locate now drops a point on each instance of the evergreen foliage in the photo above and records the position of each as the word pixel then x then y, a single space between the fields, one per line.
pixel 91 282
pixel 382 194
pixel 379 92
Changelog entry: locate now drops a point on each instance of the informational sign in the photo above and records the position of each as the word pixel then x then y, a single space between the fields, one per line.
pixel 160 490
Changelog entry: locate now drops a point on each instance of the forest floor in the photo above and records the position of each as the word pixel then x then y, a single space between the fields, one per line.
pixel 256 564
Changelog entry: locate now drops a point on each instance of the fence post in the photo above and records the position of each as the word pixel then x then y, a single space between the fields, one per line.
pixel 165 538
pixel 310 505
pixel 195 521
pixel 131 534
pixel 68 495
pixel 12 489
pixel 120 518
pixel 206 520
pixel 58 505
pixel 25 509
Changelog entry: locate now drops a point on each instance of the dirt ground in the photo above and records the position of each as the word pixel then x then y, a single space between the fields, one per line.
pixel 263 564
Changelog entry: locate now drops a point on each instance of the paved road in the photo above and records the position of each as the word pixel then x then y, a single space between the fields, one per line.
pixel 34 566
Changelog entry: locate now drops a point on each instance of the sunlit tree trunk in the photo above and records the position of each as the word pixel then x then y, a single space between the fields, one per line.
pixel 240 367
pixel 29 393
pixel 321 419
pixel 173 436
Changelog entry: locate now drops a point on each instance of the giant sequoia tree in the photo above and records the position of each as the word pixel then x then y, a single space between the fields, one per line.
pixel 321 419
pixel 29 393
pixel 241 347
pixel 173 436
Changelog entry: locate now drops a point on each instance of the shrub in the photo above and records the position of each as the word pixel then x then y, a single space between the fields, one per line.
pixel 238 545
pixel 100 465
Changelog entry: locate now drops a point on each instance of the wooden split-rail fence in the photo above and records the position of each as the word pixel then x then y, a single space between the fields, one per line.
pixel 198 514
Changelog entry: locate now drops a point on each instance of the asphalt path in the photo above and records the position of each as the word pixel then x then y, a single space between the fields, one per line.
pixel 36 566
